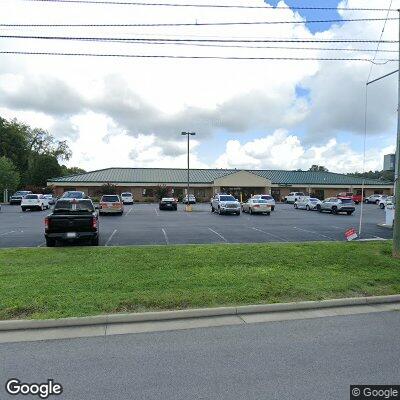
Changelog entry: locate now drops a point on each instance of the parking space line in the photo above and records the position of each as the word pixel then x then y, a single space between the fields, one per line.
pixel 6 233
pixel 111 236
pixel 156 212
pixel 130 210
pixel 315 233
pixel 165 236
pixel 270 234
pixel 218 234
pixel 42 244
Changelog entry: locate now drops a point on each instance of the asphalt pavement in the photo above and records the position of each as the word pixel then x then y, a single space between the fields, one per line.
pixel 309 359
pixel 145 224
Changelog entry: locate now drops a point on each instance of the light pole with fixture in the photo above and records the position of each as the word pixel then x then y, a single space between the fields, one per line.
pixel 188 134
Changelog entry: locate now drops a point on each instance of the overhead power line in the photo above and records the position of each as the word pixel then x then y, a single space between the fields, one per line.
pixel 195 23
pixel 376 61
pixel 224 40
pixel 131 3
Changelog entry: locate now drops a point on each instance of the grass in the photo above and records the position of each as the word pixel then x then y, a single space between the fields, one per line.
pixel 78 281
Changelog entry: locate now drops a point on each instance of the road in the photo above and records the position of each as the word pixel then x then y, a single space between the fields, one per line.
pixel 309 359
pixel 144 224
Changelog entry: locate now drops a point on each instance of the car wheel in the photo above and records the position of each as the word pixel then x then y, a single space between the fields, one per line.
pixel 334 210
pixel 50 242
pixel 381 206
pixel 238 213
pixel 212 209
pixel 95 241
pixel 307 207
pixel 272 208
pixel 349 212
pixel 319 209
pixel 268 213
pixel 23 209
pixel 250 211
pixel 295 205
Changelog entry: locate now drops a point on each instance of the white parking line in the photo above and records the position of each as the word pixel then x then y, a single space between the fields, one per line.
pixel 165 236
pixel 270 234
pixel 157 212
pixel 111 236
pixel 373 239
pixel 6 233
pixel 130 210
pixel 218 234
pixel 42 244
pixel 315 233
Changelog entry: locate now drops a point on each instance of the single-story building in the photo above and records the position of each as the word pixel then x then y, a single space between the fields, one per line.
pixel 143 182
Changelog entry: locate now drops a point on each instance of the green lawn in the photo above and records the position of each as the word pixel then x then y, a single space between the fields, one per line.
pixel 78 281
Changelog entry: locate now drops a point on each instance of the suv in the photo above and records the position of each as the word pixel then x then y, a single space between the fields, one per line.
pixel 18 196
pixel 335 206
pixel 375 198
pixel 127 198
pixel 293 197
pixel 225 204
pixel 34 202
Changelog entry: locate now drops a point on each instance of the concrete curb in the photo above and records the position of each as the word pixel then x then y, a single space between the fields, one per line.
pixel 193 313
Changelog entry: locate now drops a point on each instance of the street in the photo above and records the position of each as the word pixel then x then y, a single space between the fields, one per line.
pixel 309 359
pixel 145 224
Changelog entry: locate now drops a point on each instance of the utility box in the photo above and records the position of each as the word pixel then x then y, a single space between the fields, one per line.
pixel 389 209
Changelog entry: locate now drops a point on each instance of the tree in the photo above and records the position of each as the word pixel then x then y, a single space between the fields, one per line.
pixel 318 168
pixel 162 191
pixel 108 188
pixel 43 167
pixel 65 171
pixel 9 175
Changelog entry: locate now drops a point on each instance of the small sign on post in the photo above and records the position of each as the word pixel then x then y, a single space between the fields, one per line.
pixel 351 234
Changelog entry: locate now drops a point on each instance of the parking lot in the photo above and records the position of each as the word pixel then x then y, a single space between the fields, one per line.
pixel 144 224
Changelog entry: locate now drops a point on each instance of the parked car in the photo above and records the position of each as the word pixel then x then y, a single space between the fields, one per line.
pixel 335 206
pixel 50 198
pixel 357 198
pixel 192 199
pixel 168 203
pixel 18 196
pixel 307 203
pixel 74 195
pixel 34 202
pixel 225 204
pixel 111 204
pixel 293 197
pixel 270 200
pixel 387 200
pixel 375 198
pixel 257 206
pixel 127 198
pixel 72 220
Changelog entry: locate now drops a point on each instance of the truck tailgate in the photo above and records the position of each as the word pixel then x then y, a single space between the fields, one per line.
pixel 68 223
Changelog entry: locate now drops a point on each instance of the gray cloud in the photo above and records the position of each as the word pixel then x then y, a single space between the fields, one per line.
pixel 63 128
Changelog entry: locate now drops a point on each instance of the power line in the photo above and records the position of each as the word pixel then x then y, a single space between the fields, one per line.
pixel 224 40
pixel 376 61
pixel 130 3
pixel 195 23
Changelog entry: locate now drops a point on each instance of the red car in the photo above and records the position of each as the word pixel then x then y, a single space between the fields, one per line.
pixel 357 198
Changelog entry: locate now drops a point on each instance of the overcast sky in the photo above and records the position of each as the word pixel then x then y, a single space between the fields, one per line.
pixel 129 112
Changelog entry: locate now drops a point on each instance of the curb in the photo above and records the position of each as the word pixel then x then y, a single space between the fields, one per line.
pixel 12 325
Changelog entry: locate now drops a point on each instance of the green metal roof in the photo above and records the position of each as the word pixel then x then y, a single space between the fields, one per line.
pixel 207 176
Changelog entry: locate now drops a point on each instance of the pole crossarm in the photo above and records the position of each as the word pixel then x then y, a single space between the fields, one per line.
pixel 382 77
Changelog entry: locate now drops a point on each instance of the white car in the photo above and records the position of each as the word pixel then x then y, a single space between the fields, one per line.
pixel 34 202
pixel 256 206
pixel 269 199
pixel 127 198
pixel 192 199
pixel 375 198
pixel 225 204
pixel 307 203
pixel 386 200
pixel 293 197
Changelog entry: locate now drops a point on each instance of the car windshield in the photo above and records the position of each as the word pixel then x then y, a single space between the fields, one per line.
pixel 227 198
pixel 73 206
pixel 267 197
pixel 23 193
pixel 73 195
pixel 110 199
pixel 167 199
pixel 31 196
pixel 126 194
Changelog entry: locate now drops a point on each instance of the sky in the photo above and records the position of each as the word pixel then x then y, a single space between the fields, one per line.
pixel 258 114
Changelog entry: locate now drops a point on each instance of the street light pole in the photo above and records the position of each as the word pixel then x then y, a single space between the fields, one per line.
pixel 188 134
pixel 396 223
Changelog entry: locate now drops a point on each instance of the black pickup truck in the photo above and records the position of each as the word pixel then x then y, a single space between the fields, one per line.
pixel 72 220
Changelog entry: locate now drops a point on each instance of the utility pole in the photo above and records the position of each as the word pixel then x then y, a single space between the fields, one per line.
pixel 396 223
pixel 188 134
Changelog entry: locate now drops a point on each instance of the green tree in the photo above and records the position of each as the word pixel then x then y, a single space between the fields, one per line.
pixel 9 175
pixel 71 171
pixel 43 167
pixel 108 188
pixel 318 168
pixel 162 191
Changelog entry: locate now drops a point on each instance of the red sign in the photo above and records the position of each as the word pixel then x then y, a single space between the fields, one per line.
pixel 350 234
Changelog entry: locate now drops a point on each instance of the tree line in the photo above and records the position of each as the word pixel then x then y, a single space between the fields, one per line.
pixel 30 156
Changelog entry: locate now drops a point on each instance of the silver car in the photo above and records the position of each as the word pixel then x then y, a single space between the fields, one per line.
pixel 375 198
pixel 307 203
pixel 270 200
pixel 335 206
pixel 256 206
pixel 225 204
